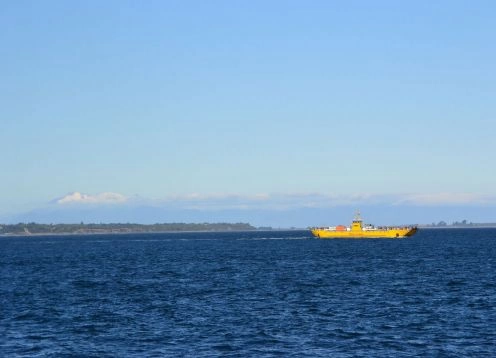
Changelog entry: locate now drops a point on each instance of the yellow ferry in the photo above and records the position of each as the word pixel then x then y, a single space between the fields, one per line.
pixel 358 230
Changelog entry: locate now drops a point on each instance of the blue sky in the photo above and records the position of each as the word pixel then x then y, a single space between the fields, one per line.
pixel 162 101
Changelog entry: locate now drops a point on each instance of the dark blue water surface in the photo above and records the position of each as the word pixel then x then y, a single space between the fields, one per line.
pixel 249 294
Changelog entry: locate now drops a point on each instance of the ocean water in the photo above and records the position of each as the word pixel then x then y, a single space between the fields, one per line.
pixel 248 294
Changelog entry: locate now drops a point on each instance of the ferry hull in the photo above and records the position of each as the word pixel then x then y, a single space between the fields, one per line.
pixel 364 234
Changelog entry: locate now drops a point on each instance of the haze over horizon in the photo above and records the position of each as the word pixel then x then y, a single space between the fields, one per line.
pixel 274 113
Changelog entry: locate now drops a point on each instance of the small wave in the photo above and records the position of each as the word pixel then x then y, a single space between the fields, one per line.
pixel 148 240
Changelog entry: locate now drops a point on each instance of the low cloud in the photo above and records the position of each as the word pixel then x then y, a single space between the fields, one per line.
pixel 102 198
pixel 278 201
pixel 281 201
pixel 437 199
pixel 285 201
pixel 276 209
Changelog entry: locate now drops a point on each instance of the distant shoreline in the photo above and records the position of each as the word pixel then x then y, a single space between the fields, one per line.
pixel 142 232
pixel 120 233
pixel 30 229
pixel 489 226
pixel 35 229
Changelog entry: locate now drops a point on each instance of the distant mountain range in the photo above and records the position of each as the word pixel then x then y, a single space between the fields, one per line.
pixel 299 217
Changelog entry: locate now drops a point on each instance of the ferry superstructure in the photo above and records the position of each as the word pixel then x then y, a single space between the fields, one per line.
pixel 358 230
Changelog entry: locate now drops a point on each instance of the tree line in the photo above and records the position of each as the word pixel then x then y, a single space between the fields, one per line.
pixel 463 223
pixel 36 228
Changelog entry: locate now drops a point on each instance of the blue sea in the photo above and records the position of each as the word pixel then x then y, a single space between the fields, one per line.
pixel 249 294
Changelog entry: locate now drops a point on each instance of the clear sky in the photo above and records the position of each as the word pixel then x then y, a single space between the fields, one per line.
pixel 161 99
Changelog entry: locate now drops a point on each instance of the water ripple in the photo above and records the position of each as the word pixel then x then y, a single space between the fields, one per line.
pixel 248 294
